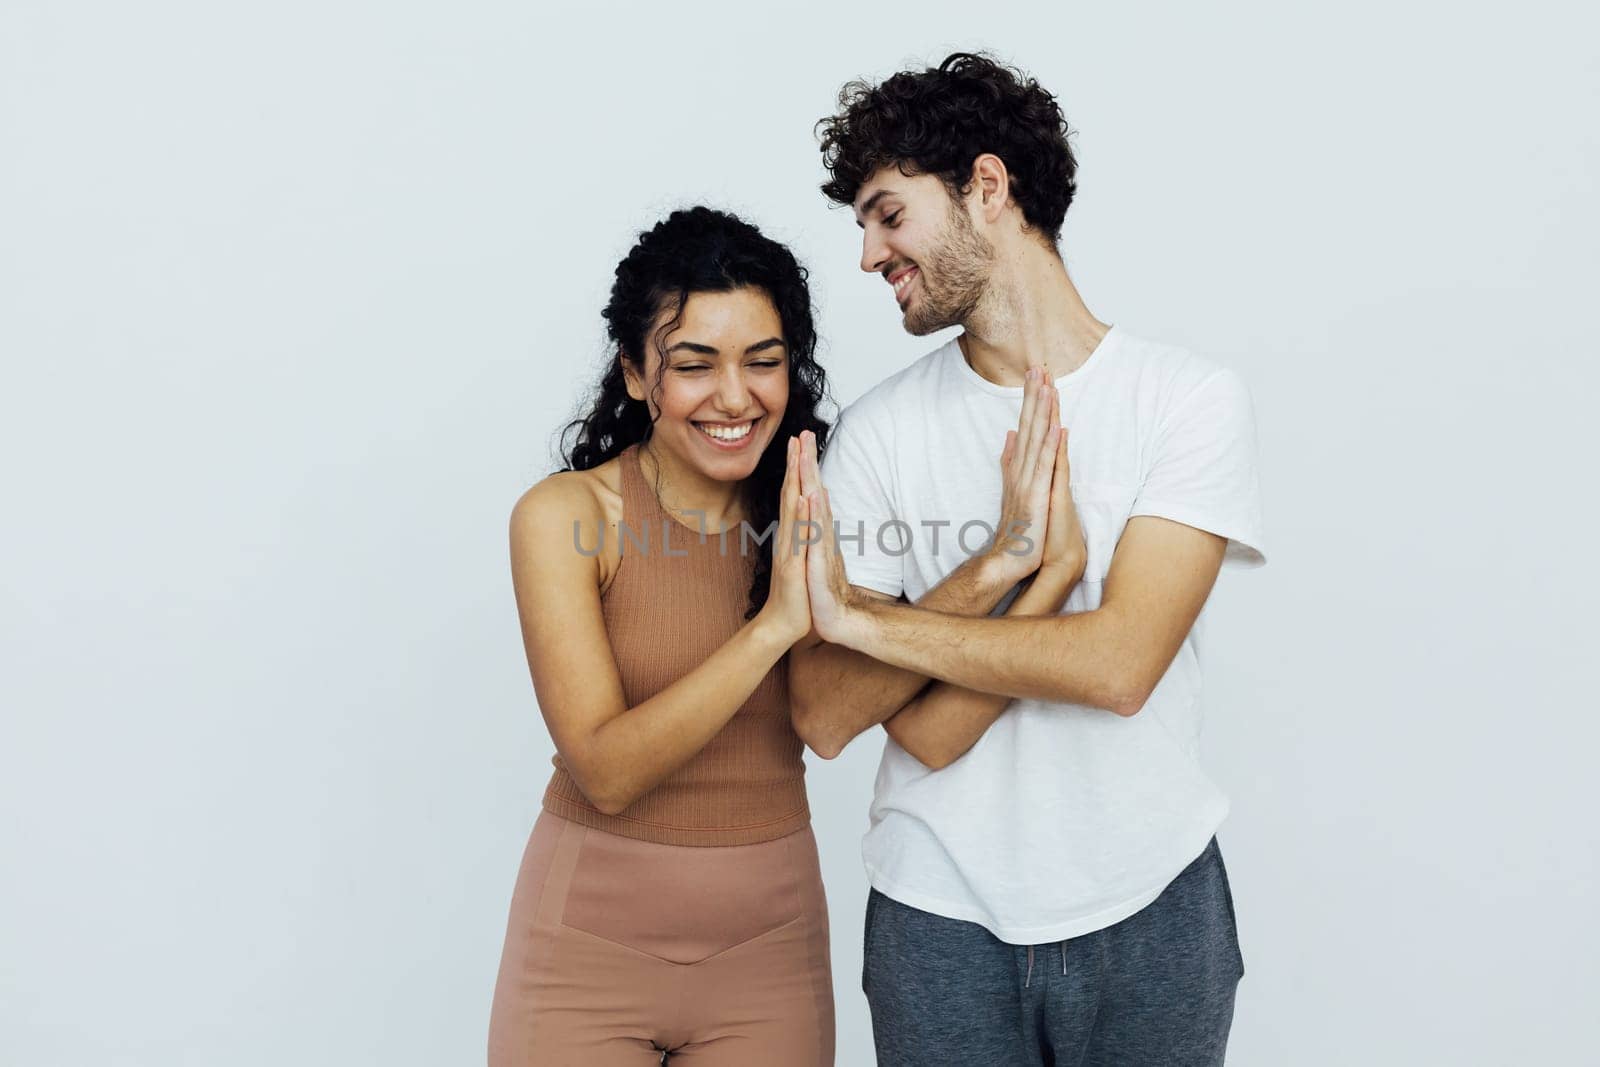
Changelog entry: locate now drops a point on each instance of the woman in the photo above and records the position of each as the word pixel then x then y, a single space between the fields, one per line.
pixel 670 902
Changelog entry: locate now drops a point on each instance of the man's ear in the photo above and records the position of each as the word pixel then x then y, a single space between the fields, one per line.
pixel 630 377
pixel 992 182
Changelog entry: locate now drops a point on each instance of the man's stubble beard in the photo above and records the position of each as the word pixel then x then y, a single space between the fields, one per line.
pixel 953 278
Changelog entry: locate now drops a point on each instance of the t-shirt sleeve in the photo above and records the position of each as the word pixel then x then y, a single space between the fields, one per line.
pixel 854 471
pixel 1204 472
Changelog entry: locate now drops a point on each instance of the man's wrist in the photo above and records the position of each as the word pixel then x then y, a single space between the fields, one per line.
pixel 857 624
pixel 999 570
pixel 1058 578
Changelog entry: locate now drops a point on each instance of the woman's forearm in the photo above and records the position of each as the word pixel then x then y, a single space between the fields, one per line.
pixel 632 753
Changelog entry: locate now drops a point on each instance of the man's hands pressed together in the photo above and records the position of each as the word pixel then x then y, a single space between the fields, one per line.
pixel 1038 535
pixel 1038 541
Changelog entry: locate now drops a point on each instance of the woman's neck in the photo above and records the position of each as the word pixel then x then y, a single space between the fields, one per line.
pixel 681 488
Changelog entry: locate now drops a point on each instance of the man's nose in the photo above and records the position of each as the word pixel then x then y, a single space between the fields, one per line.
pixel 874 253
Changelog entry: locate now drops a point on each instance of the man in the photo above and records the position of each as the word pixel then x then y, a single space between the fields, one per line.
pixel 1047 886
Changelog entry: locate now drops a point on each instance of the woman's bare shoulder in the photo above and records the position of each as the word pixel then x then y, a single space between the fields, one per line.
pixel 571 508
pixel 569 495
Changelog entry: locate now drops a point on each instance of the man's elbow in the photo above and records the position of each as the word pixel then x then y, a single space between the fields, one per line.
pixel 935 759
pixel 811 723
pixel 816 733
pixel 1122 692
pixel 1127 694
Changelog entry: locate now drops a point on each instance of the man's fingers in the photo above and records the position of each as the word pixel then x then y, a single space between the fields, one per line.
pixel 823 510
pixel 1030 405
pixel 816 562
pixel 1030 399
pixel 1038 427
pixel 1041 457
pixel 1061 480
pixel 810 473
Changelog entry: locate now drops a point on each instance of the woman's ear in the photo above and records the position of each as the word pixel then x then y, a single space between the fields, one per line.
pixel 630 377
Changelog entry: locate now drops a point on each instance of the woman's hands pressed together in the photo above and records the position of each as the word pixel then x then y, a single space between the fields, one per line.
pixel 834 603
pixel 788 609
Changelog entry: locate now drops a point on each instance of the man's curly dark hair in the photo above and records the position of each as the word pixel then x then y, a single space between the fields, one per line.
pixel 938 121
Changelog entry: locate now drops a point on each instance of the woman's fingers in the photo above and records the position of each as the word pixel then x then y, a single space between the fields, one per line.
pixel 795 547
pixel 788 493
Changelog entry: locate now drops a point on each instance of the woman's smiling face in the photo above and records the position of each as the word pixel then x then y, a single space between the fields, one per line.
pixel 717 384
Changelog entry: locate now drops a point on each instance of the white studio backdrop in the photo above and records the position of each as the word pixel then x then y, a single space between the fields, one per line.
pixel 294 297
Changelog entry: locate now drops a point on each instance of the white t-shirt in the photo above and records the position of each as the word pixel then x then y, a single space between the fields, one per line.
pixel 1062 819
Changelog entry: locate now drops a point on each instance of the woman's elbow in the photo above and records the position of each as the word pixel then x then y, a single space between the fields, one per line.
pixel 607 800
pixel 605 792
pixel 610 804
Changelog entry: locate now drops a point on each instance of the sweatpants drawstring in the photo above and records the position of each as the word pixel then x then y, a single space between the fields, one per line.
pixel 1063 957
pixel 1029 976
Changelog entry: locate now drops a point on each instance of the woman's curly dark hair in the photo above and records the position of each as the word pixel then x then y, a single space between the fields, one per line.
pixel 938 121
pixel 700 250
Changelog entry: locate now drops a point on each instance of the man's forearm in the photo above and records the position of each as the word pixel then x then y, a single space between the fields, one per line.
pixel 939 725
pixel 836 692
pixel 1079 658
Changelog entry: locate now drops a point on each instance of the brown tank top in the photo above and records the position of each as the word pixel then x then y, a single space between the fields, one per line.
pixel 669 606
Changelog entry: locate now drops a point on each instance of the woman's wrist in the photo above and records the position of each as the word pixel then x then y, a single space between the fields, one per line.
pixel 771 633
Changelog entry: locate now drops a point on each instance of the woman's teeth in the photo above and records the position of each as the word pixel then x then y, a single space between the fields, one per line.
pixel 727 433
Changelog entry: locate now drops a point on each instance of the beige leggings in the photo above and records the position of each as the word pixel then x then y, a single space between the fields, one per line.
pixel 619 950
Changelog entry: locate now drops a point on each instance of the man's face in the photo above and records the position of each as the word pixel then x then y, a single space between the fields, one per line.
pixel 923 243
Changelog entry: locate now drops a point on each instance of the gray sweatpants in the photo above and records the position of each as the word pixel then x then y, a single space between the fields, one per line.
pixel 1155 989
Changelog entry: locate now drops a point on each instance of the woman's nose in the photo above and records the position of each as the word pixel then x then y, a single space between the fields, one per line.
pixel 732 395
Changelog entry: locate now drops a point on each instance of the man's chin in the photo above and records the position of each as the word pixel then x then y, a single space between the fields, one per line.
pixel 922 326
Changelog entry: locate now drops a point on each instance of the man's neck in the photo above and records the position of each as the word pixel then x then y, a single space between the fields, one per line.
pixel 1031 313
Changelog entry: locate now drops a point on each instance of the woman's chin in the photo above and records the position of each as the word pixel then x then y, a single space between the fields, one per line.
pixel 727 461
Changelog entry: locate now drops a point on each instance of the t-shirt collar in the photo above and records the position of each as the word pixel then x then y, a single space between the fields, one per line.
pixel 979 382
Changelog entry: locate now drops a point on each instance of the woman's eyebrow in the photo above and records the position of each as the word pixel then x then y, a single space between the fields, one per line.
pixel 707 350
pixel 693 346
